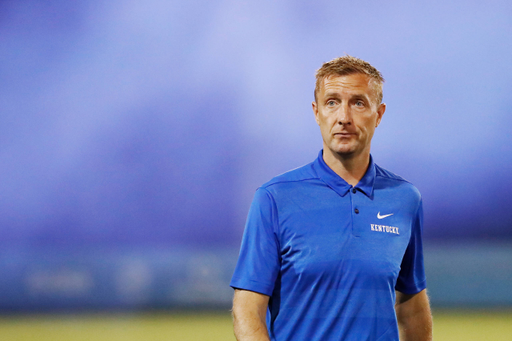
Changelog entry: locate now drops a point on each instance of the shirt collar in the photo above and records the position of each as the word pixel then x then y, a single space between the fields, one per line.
pixel 340 186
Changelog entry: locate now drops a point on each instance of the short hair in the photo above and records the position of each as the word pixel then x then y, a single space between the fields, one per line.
pixel 348 65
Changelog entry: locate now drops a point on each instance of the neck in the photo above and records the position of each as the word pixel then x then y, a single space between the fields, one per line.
pixel 350 168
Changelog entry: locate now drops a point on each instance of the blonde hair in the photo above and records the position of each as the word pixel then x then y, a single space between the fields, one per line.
pixel 348 65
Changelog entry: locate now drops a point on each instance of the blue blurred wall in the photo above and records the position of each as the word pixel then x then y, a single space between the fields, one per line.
pixel 134 134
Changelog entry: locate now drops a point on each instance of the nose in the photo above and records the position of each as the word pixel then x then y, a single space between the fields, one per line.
pixel 344 115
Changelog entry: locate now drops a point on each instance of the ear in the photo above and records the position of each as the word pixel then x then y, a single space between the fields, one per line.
pixel 315 111
pixel 380 112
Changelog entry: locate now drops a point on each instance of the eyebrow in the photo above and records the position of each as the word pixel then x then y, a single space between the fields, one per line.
pixel 355 96
pixel 331 94
pixel 361 96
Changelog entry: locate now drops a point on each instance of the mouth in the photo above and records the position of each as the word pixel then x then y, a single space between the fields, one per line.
pixel 344 134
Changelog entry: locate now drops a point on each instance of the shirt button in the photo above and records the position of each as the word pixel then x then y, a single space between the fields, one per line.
pixel 354 190
pixel 356 210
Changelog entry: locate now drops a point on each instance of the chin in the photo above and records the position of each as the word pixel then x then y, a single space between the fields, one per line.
pixel 343 150
pixel 346 154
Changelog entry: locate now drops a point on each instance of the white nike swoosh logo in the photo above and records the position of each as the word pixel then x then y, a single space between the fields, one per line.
pixel 383 216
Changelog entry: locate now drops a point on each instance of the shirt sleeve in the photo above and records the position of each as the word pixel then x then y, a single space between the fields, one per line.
pixel 411 278
pixel 259 260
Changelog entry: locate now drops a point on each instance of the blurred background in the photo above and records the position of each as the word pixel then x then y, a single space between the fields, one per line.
pixel 134 134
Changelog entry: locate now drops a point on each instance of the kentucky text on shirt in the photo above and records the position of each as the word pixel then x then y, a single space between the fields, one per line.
pixel 384 228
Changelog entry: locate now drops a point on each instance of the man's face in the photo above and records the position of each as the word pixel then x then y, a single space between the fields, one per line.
pixel 347 112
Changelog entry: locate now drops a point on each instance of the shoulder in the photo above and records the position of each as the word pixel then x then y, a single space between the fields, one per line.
pixel 387 179
pixel 290 178
pixel 285 187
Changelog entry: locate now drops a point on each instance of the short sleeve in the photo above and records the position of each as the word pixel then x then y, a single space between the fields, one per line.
pixel 411 278
pixel 259 260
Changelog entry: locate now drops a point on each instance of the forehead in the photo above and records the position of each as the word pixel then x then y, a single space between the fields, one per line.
pixel 353 83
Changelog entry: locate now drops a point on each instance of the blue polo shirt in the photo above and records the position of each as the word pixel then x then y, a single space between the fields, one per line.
pixel 330 255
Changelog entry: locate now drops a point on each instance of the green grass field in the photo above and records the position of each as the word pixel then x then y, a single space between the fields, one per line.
pixel 448 326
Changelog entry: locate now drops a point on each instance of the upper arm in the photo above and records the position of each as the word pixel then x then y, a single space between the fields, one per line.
pixel 259 259
pixel 411 278
pixel 411 302
pixel 249 315
pixel 414 316
pixel 250 301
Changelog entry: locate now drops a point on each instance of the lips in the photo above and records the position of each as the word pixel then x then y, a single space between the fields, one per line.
pixel 344 134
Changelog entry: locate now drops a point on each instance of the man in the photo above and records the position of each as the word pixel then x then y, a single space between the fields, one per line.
pixel 333 250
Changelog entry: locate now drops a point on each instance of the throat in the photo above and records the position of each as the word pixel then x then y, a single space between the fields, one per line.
pixel 349 168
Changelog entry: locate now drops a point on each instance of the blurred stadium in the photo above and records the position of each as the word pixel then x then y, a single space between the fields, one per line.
pixel 134 134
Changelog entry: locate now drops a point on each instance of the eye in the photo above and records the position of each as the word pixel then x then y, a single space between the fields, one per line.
pixel 359 103
pixel 331 103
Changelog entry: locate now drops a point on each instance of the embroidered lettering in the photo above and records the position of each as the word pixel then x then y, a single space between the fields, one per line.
pixel 384 228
